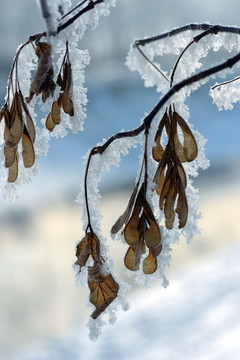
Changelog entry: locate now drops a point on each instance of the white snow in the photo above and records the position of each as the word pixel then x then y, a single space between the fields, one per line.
pixel 197 317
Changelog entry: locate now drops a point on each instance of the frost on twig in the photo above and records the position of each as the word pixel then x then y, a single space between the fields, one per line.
pixel 163 192
pixel 41 68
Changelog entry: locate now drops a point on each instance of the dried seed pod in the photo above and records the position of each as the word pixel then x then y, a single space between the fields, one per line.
pixel 158 150
pixel 10 154
pixel 28 152
pixel 29 121
pixel 102 292
pixel 190 149
pixel 14 123
pixel 129 259
pixel 141 229
pixel 152 235
pixel 13 170
pixel 83 252
pixel 125 216
pixel 150 263
pixel 43 79
pixel 55 113
pixel 132 231
pixel 182 207
pixel 170 177
pixel 66 99
pixel 50 125
pixel 103 288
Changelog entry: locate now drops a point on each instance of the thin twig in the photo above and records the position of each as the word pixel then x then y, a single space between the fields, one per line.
pixel 145 157
pixel 75 8
pixel 92 152
pixel 150 62
pixel 177 62
pixel 211 29
pixel 225 82
pixel 90 6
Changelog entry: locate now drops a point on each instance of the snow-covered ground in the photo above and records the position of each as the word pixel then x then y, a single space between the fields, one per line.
pixel 197 317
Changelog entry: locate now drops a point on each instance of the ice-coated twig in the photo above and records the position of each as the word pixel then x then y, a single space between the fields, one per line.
pixel 225 83
pixel 145 56
pixel 176 88
pixel 47 17
pixel 206 28
pixel 89 7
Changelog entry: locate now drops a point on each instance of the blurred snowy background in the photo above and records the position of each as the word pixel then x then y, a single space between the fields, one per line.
pixel 42 312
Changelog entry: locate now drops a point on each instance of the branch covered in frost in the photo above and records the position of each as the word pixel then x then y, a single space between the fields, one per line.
pixel 89 7
pixel 47 15
pixel 176 88
pixel 206 28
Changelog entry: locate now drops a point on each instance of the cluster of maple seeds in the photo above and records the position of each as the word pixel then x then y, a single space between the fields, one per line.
pixel 141 230
pixel 103 288
pixel 19 126
pixel 170 177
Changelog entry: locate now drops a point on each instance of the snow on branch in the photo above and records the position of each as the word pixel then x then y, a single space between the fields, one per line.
pixel 163 204
pixel 58 66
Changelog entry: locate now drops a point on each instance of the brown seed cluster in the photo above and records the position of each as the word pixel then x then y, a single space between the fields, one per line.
pixel 141 231
pixel 43 82
pixel 19 127
pixel 170 177
pixel 64 101
pixel 103 288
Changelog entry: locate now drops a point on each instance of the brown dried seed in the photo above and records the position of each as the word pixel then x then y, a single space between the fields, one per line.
pixel 29 121
pixel 189 143
pixel 182 208
pixel 15 132
pixel 50 125
pixel 13 170
pixel 44 73
pixel 160 182
pixel 182 175
pixel 55 113
pixel 152 236
pixel 158 151
pixel 150 263
pixel 169 206
pixel 129 259
pixel 66 99
pixel 125 216
pixel 94 246
pixel 28 152
pixel 82 252
pixel 131 231
pixel 179 149
pixel 10 154
pixel 102 293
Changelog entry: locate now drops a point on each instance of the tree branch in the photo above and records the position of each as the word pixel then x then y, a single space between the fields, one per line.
pixel 208 28
pixel 47 17
pixel 149 118
pixel 90 6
